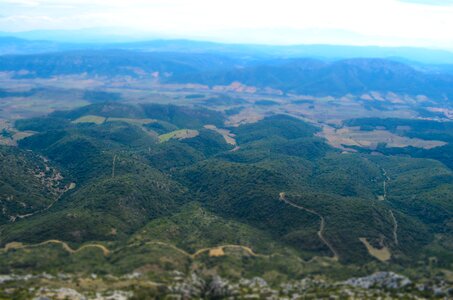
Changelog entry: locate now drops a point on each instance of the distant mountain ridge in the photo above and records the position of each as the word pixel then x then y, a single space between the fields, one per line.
pixel 111 63
pixel 351 76
pixel 11 43
pixel 295 75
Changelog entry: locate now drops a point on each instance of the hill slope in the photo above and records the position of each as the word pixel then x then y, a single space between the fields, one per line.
pixel 283 183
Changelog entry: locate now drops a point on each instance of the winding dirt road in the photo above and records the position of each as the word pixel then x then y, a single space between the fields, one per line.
pixel 386 179
pixel 282 197
pixel 395 222
pixel 64 245
pixel 67 188
pixel 106 251
pixel 244 248
pixel 395 227
pixel 113 166
pixel 208 249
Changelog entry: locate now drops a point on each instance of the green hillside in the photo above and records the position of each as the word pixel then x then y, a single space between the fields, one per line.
pixel 284 204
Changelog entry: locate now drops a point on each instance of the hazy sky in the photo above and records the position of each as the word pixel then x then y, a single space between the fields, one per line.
pixel 379 22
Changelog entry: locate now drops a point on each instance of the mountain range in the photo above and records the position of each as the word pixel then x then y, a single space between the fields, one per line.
pixel 11 44
pixel 300 76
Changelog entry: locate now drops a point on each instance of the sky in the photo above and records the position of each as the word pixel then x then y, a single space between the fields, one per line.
pixel 427 23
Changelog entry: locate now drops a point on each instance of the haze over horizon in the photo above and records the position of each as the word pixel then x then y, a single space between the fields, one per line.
pixel 414 23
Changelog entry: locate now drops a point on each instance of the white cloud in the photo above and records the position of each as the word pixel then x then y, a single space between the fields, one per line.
pixel 22 2
pixel 430 2
pixel 384 21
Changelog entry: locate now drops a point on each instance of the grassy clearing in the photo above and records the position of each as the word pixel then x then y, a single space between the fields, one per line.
pixel 22 135
pixel 139 122
pixel 353 136
pixel 178 134
pixel 90 119
pixel 227 135
pixel 10 136
pixel 99 120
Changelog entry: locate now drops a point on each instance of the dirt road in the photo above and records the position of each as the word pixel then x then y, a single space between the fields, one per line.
pixel 282 197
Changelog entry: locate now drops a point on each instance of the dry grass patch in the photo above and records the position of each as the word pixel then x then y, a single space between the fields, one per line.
pixel 13 245
pixel 90 119
pixel 353 136
pixel 382 254
pixel 179 135
pixel 227 135
pixel 139 122
pixel 216 252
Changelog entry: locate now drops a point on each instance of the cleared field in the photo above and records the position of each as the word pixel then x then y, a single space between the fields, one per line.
pixel 353 136
pixel 90 119
pixel 37 99
pixel 138 122
pixel 22 134
pixel 100 120
pixel 10 136
pixel 178 134
pixel 248 115
pixel 382 254
pixel 4 124
pixel 227 135
pixel 216 252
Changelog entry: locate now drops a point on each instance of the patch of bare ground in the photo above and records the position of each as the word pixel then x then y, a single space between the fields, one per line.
pixel 215 251
pixel 247 115
pixel 180 134
pixel 235 87
pixel 9 136
pixel 353 136
pixel 383 254
pixel 220 251
pixel 227 135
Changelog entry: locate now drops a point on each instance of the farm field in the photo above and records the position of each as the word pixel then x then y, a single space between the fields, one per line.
pixel 350 136
pixel 180 134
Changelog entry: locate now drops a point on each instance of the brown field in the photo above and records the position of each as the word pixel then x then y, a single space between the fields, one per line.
pixel 179 135
pixel 382 254
pixel 248 115
pixel 227 135
pixel 66 92
pixel 353 136
pixel 216 252
pixel 15 134
pixel 138 122
pixel 90 119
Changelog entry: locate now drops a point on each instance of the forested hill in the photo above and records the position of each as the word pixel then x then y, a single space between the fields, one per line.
pixel 301 76
pixel 314 77
pixel 129 166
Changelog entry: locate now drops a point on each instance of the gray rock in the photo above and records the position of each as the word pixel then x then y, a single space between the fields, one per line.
pixel 388 280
